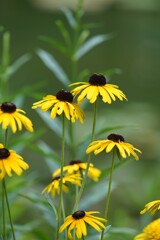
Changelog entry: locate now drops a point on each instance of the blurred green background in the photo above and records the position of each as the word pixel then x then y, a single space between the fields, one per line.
pixel 135 49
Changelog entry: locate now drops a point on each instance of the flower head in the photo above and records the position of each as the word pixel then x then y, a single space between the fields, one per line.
pixel 113 141
pixel 97 86
pixel 77 166
pixel 61 102
pixel 11 116
pixel 151 232
pixel 10 161
pixel 54 186
pixel 78 222
pixel 151 207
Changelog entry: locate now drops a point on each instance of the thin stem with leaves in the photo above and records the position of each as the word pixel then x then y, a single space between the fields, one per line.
pixel 108 192
pixel 88 161
pixel 5 195
pixel 61 203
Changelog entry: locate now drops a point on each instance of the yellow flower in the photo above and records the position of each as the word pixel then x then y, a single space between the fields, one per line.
pixel 151 232
pixel 10 161
pixel 62 102
pixel 11 116
pixel 97 86
pixel 77 166
pixel 151 207
pixel 78 222
pixel 113 141
pixel 54 186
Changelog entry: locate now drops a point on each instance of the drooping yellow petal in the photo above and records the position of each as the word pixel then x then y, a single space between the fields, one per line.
pixel 78 229
pixel 110 146
pixel 94 225
pixel 121 150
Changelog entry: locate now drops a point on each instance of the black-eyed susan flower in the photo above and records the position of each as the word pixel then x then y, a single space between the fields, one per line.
pixel 11 116
pixel 97 86
pixel 11 161
pixel 54 187
pixel 151 207
pixel 77 166
pixel 113 141
pixel 78 221
pixel 62 102
pixel 150 232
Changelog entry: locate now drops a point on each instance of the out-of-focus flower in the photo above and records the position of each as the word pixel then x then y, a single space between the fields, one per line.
pixel 77 166
pixel 150 232
pixel 54 187
pixel 113 141
pixel 151 207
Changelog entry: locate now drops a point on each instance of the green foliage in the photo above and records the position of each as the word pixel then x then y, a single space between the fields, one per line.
pixel 24 193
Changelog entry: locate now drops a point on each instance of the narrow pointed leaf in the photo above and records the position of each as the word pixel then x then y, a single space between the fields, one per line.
pixel 50 62
pixel 91 43
pixel 19 63
pixel 69 16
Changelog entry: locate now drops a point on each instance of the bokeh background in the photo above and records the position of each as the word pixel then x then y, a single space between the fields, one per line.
pixel 135 50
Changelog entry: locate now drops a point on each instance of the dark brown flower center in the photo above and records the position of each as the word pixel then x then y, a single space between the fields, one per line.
pixel 97 80
pixel 115 138
pixel 8 107
pixel 56 178
pixel 78 214
pixel 4 153
pixel 74 162
pixel 65 96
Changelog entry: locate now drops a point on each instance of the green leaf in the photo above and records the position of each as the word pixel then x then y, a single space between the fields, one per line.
pixel 19 63
pixel 110 72
pixel 97 196
pixel 91 43
pixel 25 139
pixel 108 129
pixel 123 231
pixel 55 44
pixel 55 125
pixel 52 160
pixel 64 32
pixel 42 206
pixel 50 202
pixel 5 50
pixel 69 16
pixel 50 62
pixel 82 38
pixel 31 90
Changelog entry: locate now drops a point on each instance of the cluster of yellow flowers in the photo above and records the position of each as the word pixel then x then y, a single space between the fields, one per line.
pixel 151 231
pixel 63 103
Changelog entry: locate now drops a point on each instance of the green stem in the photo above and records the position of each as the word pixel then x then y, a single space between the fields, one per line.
pixel 3 211
pixel 72 141
pixel 8 208
pixel 6 137
pixel 5 63
pixel 83 237
pixel 109 191
pixel 88 161
pixel 61 203
pixel 5 191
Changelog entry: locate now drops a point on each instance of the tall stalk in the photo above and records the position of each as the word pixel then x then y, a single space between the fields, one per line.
pixel 109 191
pixel 5 63
pixel 74 63
pixel 5 195
pixel 61 203
pixel 88 161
